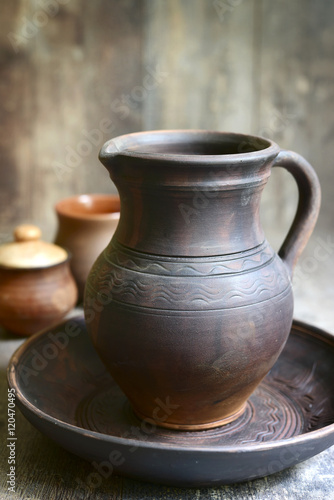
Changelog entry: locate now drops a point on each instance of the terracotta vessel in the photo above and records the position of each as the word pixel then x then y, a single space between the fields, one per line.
pixel 36 286
pixel 189 307
pixel 86 224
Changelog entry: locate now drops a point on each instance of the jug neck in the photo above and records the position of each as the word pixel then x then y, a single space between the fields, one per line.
pixel 190 205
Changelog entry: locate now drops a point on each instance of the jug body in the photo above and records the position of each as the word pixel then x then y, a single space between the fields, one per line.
pixel 188 306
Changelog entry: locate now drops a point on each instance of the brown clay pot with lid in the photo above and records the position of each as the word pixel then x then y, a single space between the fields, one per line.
pixel 37 288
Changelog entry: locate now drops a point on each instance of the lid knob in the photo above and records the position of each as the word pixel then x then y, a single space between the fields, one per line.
pixel 27 232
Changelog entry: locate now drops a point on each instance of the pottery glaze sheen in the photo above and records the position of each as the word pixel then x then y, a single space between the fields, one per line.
pixel 193 306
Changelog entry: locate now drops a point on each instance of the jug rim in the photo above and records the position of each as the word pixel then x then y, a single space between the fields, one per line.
pixel 212 146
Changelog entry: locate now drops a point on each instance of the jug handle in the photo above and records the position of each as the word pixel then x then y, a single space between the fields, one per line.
pixel 308 206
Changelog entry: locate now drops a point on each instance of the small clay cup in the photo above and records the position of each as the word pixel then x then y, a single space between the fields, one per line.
pixel 37 288
pixel 86 224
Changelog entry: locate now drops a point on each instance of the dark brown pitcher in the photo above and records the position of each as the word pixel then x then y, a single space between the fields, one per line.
pixel 189 307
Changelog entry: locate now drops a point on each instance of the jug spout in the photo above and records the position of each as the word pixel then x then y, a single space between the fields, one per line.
pixel 108 152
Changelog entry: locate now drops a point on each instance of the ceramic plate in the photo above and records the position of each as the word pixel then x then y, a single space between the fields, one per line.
pixel 64 390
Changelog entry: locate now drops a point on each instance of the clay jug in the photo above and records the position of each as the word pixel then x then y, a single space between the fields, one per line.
pixel 189 307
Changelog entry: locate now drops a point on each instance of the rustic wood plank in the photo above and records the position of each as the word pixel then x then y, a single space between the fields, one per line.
pixel 58 94
pixel 296 110
pixel 85 72
pixel 296 100
pixel 58 65
pixel 113 75
pixel 281 104
pixel 16 113
pixel 205 48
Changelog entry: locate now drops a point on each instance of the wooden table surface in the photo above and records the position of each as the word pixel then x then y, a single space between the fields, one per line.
pixel 46 471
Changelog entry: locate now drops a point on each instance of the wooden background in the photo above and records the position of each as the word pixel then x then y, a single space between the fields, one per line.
pixel 71 70
pixel 74 73
pixel 240 65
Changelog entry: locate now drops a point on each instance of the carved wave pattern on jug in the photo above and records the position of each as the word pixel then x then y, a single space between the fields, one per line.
pixel 182 293
pixel 191 267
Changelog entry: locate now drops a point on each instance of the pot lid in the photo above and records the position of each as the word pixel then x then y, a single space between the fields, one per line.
pixel 28 252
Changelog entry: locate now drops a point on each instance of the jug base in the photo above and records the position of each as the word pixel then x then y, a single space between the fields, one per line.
pixel 194 427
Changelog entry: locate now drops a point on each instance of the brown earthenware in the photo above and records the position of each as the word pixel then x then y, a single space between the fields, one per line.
pixel 37 288
pixel 189 304
pixel 75 402
pixel 86 224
